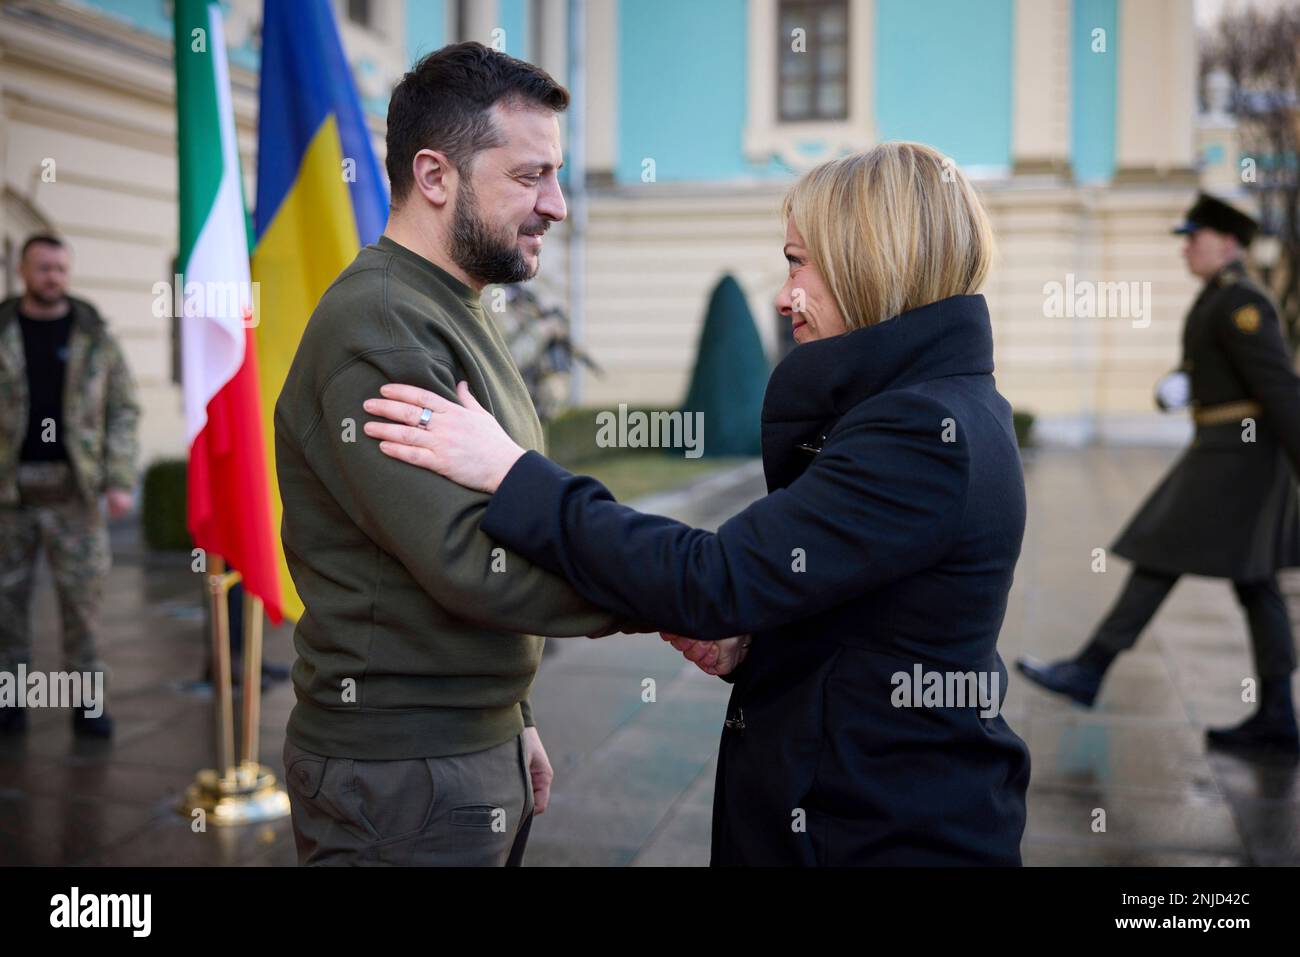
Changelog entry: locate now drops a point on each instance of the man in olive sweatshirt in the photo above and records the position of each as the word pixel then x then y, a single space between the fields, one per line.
pixel 412 740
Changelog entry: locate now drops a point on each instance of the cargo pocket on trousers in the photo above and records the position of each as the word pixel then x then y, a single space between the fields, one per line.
pixel 394 799
pixel 305 773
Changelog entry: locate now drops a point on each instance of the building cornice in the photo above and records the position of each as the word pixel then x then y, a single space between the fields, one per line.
pixel 88 47
pixel 91 47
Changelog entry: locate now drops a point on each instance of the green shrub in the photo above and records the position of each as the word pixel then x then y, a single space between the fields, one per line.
pixel 162 506
pixel 1024 425
pixel 730 374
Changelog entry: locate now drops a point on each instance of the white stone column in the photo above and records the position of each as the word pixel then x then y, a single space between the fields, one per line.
pixel 482 18
pixel 602 89
pixel 1156 99
pixel 553 56
pixel 1040 138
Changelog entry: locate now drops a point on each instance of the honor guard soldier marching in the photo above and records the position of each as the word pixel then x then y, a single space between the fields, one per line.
pixel 1228 508
pixel 67 435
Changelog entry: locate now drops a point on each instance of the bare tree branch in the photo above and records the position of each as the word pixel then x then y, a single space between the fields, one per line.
pixel 1260 52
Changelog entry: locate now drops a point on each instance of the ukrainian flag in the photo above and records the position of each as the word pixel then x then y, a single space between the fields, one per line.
pixel 320 195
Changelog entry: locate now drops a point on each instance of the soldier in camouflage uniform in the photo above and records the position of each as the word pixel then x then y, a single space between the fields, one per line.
pixel 68 419
pixel 1228 508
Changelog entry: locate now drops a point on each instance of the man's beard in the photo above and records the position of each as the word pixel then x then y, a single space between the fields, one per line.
pixel 476 249
pixel 48 300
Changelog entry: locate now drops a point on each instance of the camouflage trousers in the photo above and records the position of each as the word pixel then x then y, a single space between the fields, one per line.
pixel 75 539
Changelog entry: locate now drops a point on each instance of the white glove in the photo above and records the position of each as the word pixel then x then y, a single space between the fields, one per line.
pixel 1174 391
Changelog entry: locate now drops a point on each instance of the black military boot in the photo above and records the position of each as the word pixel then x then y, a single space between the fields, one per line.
pixel 1079 679
pixel 99 727
pixel 13 720
pixel 1270 730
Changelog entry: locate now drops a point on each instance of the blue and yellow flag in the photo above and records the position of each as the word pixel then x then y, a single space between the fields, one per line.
pixel 320 194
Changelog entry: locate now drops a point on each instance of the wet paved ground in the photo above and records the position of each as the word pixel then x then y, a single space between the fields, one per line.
pixel 634 779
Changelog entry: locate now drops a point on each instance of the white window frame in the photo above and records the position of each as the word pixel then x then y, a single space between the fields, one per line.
pixel 766 136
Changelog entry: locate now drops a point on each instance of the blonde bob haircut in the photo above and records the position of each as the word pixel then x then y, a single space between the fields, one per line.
pixel 891 229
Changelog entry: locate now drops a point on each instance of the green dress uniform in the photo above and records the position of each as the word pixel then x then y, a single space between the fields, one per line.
pixel 1229 507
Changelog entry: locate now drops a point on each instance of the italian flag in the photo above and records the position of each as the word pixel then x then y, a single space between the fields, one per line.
pixel 229 502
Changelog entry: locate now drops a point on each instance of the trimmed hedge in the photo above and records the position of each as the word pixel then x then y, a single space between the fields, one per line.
pixel 730 374
pixel 162 506
pixel 1024 425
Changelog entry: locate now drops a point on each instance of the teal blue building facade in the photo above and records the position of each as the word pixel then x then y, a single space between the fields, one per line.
pixel 938 71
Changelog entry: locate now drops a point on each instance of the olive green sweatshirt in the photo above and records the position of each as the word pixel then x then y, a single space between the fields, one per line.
pixel 418 637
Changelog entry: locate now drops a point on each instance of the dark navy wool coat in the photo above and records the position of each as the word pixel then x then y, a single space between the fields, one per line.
pixel 888 540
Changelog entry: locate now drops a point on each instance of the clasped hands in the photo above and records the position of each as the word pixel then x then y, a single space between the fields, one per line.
pixel 711 657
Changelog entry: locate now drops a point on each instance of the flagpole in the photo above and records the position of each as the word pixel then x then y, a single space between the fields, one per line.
pixel 245 792
pixel 252 686
pixel 219 584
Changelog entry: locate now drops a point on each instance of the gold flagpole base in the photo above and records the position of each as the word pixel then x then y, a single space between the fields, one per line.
pixel 250 796
pixel 237 792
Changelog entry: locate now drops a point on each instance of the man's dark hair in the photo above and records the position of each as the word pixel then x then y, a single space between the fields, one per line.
pixel 37 238
pixel 442 104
